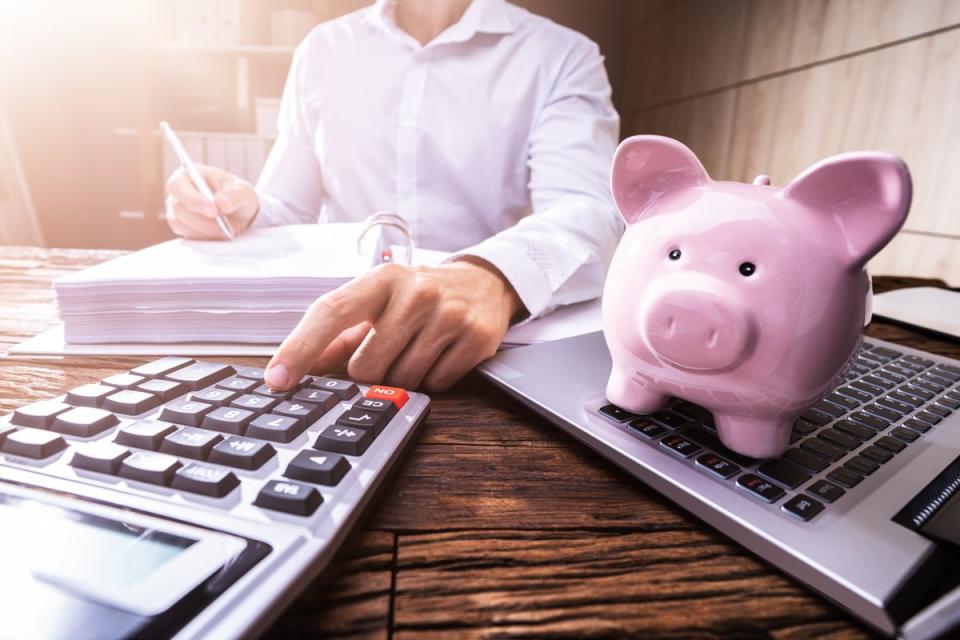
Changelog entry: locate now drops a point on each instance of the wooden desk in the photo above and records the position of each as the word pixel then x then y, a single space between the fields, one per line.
pixel 496 523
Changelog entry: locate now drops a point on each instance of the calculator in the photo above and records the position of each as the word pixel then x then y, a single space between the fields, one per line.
pixel 185 498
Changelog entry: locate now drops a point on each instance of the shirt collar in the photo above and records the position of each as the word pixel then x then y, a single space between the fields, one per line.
pixel 482 16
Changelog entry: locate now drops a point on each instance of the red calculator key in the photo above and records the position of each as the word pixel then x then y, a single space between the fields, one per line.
pixel 397 396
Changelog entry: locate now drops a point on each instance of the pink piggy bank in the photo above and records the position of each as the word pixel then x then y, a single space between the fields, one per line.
pixel 747 299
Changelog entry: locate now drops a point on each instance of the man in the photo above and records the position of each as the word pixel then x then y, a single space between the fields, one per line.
pixel 488 129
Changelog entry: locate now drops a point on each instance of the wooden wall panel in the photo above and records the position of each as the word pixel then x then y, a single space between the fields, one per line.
pixel 926 256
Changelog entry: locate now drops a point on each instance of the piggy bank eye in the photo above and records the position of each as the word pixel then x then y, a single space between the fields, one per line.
pixel 747 269
pixel 674 255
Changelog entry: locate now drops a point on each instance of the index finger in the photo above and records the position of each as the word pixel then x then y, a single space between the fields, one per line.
pixel 183 190
pixel 361 299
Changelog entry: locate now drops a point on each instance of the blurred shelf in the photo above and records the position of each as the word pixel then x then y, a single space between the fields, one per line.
pixel 226 135
pixel 227 49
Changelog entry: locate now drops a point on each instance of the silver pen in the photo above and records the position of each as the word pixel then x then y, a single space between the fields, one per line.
pixel 191 170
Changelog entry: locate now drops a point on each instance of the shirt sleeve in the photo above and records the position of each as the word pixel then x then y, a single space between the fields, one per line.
pixel 290 186
pixel 560 253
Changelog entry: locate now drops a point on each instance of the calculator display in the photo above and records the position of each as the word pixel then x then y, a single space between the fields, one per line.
pixel 41 537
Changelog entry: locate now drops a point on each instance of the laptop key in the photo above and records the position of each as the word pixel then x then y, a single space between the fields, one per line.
pixel 886 374
pixel 242 453
pixel 929 418
pixel 939 410
pixel 872 389
pixel 228 420
pixel 950 403
pixel 717 465
pixel 207 481
pixel 917 425
pixel 318 468
pixel 823 449
pixel 32 443
pixel 39 415
pixel 84 422
pixel 190 443
pixel 825 490
pixel 918 391
pixel 845 477
pixel 347 440
pixel 343 389
pixel 902 433
pixel 802 507
pixel 885 352
pixel 144 434
pixel 164 389
pixel 818 418
pixel 891 444
pixel 855 394
pixel 923 362
pixel 289 497
pixel 201 374
pixel 161 366
pixel 884 412
pixel 844 401
pixel 842 440
pixel 807 459
pixel 878 382
pixel 876 454
pixel 784 472
pixel 615 412
pixel 875 423
pixel 709 440
pixel 102 456
pixel 803 427
pixel 647 429
pixel 900 371
pixel 888 402
pixel 185 412
pixel 947 371
pixel 276 428
pixel 669 419
pixel 680 445
pixel 860 464
pixel 936 381
pixel 690 410
pixel 853 429
pixel 89 395
pixel 760 488
pixel 150 467
pixel 906 398
pixel 131 402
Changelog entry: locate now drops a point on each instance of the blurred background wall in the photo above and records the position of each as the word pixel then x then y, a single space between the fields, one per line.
pixel 752 86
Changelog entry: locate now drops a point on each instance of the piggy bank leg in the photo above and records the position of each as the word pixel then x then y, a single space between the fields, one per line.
pixel 757 437
pixel 627 394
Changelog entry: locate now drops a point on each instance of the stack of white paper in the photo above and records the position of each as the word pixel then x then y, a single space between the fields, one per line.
pixel 251 290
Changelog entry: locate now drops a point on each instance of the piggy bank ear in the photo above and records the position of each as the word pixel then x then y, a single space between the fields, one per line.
pixel 646 168
pixel 868 194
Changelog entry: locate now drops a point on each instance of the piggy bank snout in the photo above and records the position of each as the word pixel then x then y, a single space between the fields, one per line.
pixel 698 331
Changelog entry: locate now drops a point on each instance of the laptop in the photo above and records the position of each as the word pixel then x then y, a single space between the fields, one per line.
pixel 863 507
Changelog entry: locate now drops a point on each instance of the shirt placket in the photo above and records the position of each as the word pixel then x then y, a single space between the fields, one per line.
pixel 408 134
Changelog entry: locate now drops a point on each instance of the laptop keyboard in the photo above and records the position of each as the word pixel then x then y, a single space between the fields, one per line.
pixel 201 428
pixel 885 402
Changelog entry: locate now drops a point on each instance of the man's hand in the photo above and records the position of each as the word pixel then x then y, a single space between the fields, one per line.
pixel 191 215
pixel 402 326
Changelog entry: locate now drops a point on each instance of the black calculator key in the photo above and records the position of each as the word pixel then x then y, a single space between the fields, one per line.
pixel 144 434
pixel 131 402
pixel 929 418
pixel 147 466
pixel 251 373
pixel 853 429
pixel 259 404
pixel 376 404
pixel 191 443
pixel 276 428
pixel 816 417
pixel 186 412
pixel 321 398
pixel 304 411
pixel 615 412
pixel 123 380
pixel 32 443
pixel 161 366
pixel 102 456
pixel 876 454
pixel 201 374
pixel 860 464
pixel 680 445
pixel 207 481
pixel 875 423
pixel 845 477
pixel 164 389
pixel 242 453
pixel 826 490
pixel 264 390
pixel 371 421
pixel 289 497
pixel 38 414
pixel 340 388
pixel 891 444
pixel 228 420
pixel 807 459
pixel 238 384
pixel 802 507
pixel 904 434
pixel 318 467
pixel 647 429
pixel 669 419
pixel 717 465
pixel 823 449
pixel 784 472
pixel 84 422
pixel 214 396
pixel 917 425
pixel 347 440
pixel 89 395
pixel 760 488
pixel 842 440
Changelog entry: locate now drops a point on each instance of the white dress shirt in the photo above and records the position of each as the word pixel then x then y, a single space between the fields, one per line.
pixel 493 140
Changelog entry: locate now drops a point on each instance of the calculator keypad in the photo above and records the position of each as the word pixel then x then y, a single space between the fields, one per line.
pixel 204 428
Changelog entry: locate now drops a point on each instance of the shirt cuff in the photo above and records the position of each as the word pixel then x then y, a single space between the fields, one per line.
pixel 521 272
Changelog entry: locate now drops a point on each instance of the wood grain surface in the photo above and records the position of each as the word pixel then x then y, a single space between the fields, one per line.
pixel 496 524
